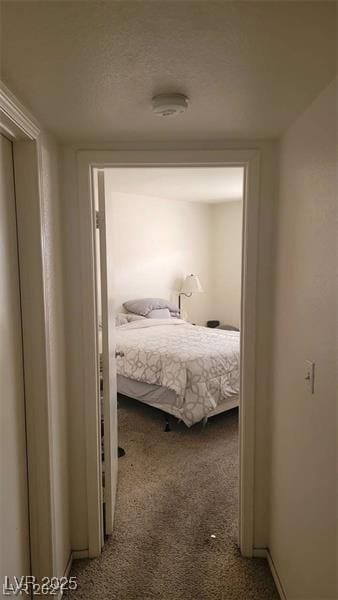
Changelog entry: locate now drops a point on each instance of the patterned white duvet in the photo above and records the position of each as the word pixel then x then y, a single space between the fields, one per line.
pixel 200 364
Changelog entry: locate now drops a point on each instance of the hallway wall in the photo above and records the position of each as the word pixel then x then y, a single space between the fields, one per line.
pixel 56 349
pixel 303 432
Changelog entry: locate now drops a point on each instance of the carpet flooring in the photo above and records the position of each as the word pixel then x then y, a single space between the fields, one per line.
pixel 176 517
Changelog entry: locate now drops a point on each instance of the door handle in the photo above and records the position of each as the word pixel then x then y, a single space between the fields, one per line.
pixel 119 353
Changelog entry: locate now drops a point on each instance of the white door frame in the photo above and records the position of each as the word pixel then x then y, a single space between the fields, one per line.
pixel 25 133
pixel 87 160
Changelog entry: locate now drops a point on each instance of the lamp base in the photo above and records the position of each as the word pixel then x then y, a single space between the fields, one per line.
pixel 179 299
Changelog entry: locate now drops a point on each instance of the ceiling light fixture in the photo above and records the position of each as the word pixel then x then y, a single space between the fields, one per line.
pixel 169 105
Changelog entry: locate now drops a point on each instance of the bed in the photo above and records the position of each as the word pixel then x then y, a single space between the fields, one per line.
pixel 185 370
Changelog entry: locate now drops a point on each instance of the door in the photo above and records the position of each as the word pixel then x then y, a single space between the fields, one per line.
pixel 14 524
pixel 109 404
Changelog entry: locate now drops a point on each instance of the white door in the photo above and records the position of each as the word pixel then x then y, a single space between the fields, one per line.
pixel 108 355
pixel 14 528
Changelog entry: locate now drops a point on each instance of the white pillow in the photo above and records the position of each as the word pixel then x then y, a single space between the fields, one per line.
pixel 131 317
pixel 125 318
pixel 121 319
pixel 159 313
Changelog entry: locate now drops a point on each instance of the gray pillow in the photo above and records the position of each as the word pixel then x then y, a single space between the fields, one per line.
pixel 159 313
pixel 144 306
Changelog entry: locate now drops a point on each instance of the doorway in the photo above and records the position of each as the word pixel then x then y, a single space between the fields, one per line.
pixel 154 227
pixel 15 539
pixel 25 148
pixel 249 160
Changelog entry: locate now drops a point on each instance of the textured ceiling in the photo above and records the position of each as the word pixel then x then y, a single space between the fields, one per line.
pixel 88 69
pixel 199 184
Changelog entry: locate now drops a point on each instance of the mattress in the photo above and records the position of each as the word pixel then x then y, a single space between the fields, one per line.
pixel 192 370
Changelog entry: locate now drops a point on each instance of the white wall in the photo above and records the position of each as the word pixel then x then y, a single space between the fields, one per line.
pixel 157 242
pixel 56 350
pixel 226 250
pixel 303 460
pixel 75 326
pixel 74 351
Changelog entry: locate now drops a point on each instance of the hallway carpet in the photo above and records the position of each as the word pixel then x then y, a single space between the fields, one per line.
pixel 176 517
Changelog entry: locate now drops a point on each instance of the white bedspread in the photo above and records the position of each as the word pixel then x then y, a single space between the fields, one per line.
pixel 200 364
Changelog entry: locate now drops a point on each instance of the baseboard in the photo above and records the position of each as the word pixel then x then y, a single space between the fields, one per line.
pixel 73 555
pixel 264 553
pixel 260 553
pixel 66 574
pixel 276 576
pixel 80 554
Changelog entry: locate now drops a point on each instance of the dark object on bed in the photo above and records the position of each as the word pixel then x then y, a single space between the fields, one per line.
pixel 121 452
pixel 213 323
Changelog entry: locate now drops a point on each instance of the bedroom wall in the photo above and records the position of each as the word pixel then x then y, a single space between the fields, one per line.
pixel 226 251
pixel 157 242
pixel 303 452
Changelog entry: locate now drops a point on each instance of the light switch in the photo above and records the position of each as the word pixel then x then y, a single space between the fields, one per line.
pixel 310 375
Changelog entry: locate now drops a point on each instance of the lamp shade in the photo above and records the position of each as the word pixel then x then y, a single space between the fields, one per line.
pixel 191 285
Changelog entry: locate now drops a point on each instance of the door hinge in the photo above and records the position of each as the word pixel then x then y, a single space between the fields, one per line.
pixel 97 219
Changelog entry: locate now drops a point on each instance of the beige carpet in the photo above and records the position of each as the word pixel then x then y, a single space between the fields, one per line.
pixel 176 490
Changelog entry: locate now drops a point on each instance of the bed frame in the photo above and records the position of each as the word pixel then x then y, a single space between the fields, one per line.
pixel 143 392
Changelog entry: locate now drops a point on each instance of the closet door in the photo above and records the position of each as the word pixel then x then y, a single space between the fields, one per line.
pixel 14 527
